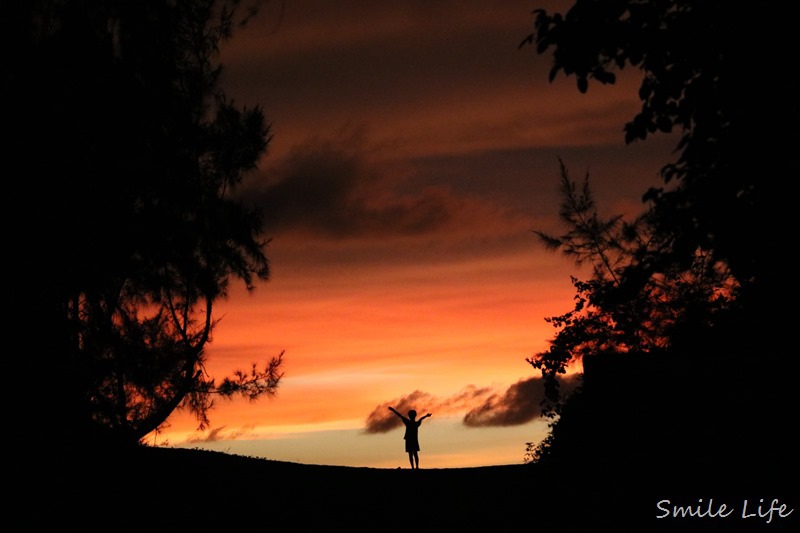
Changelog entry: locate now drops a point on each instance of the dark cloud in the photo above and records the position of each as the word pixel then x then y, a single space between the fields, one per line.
pixel 381 420
pixel 517 405
pixel 316 56
pixel 333 191
pixel 465 399
pixel 219 434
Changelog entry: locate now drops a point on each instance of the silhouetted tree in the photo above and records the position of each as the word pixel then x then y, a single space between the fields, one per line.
pixel 126 150
pixel 680 285
pixel 617 313
pixel 617 310
pixel 698 85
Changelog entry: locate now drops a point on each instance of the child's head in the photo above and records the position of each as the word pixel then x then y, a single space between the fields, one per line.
pixel 412 414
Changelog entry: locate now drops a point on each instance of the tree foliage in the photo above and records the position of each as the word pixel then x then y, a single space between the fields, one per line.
pixel 679 285
pixel 627 306
pixel 128 150
pixel 690 83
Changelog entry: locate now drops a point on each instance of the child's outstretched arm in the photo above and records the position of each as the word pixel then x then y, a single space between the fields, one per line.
pixel 424 417
pixel 392 409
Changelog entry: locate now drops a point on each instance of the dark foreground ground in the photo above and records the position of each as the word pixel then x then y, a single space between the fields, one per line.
pixel 159 489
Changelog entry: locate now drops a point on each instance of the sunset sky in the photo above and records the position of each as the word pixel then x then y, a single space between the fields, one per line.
pixel 415 150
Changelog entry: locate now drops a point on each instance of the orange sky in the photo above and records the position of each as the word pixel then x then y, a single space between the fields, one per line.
pixel 415 149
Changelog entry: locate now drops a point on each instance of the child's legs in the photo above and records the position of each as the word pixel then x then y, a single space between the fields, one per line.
pixel 411 459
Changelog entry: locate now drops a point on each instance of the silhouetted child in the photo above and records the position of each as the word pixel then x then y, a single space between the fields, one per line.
pixel 412 435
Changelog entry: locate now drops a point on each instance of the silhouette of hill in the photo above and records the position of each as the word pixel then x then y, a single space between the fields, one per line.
pixel 164 489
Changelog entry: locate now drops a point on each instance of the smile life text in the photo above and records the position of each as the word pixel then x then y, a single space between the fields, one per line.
pixel 766 511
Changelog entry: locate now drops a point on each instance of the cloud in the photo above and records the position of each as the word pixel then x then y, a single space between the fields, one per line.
pixel 518 404
pixel 327 188
pixel 381 420
pixel 219 434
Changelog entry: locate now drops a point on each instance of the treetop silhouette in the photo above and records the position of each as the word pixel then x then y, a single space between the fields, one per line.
pixel 130 148
pixel 669 324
